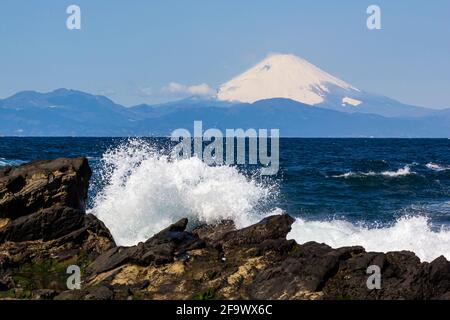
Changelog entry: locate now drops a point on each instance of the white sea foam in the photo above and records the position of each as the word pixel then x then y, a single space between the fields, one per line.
pixel 10 162
pixel 405 171
pixel 437 167
pixel 145 192
pixel 408 233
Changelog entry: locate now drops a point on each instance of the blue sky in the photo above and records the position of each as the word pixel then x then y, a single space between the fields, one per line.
pixel 131 50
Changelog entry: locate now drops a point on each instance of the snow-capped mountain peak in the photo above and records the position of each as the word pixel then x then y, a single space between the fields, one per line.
pixel 286 76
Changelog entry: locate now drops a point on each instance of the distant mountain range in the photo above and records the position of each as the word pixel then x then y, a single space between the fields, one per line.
pixel 282 92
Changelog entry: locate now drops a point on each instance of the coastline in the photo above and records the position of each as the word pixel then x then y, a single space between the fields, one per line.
pixel 44 229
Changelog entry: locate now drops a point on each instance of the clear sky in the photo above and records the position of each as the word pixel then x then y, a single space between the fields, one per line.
pixel 131 51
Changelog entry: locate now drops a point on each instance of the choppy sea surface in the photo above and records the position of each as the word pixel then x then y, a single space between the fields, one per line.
pixel 383 194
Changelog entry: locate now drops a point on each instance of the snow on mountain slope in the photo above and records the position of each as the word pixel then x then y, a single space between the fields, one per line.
pixel 350 101
pixel 287 76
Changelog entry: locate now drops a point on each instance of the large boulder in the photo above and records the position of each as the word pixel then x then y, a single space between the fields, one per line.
pixel 160 249
pixel 44 227
pixel 403 276
pixel 39 185
pixel 45 200
pixel 46 224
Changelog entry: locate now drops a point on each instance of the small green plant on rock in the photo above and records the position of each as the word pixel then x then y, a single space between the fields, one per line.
pixel 207 295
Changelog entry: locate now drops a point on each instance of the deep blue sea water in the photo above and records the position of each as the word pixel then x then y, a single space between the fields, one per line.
pixel 370 182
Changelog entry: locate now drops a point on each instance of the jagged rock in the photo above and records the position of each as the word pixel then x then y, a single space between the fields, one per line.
pixel 6 283
pixel 258 262
pixel 213 233
pixel 270 228
pixel 100 293
pixel 47 224
pixel 93 293
pixel 43 294
pixel 403 276
pixel 44 228
pixel 160 249
pixel 42 184
pixel 304 268
pixel 439 278
pixel 4 222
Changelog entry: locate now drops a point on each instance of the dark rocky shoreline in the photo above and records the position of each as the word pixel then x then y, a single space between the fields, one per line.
pixel 44 229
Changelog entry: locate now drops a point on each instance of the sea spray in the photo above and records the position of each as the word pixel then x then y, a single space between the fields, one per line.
pixel 145 191
pixel 407 233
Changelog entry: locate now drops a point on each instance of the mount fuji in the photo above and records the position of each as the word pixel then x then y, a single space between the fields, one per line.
pixel 290 77
pixel 287 76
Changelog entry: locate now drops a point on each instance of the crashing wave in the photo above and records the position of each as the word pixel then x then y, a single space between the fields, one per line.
pixel 144 191
pixel 407 233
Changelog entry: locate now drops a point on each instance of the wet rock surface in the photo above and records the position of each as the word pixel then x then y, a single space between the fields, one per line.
pixel 44 229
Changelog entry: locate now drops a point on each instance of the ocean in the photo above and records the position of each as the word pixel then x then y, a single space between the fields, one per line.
pixel 382 194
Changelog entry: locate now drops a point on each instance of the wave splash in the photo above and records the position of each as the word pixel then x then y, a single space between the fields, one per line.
pixel 144 192
pixel 408 233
